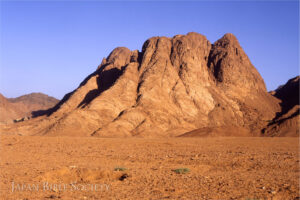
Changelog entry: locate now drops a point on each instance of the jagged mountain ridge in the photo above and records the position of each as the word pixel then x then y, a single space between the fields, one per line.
pixel 173 86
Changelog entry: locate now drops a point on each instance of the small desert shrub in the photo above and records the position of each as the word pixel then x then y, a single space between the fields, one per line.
pixel 120 169
pixel 181 170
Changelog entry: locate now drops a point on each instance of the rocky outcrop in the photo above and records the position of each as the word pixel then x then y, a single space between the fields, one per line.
pixel 174 85
pixel 286 122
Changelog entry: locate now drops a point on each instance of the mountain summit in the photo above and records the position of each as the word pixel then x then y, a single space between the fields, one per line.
pixel 173 86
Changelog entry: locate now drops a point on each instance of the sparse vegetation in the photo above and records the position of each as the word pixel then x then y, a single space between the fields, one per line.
pixel 120 169
pixel 181 170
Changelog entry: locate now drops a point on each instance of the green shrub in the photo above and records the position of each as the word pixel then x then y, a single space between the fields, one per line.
pixel 120 169
pixel 181 170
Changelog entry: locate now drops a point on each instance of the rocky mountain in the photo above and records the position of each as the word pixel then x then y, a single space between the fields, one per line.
pixel 17 108
pixel 172 87
pixel 286 122
pixel 180 86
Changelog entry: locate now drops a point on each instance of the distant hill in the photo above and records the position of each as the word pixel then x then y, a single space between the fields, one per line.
pixel 16 108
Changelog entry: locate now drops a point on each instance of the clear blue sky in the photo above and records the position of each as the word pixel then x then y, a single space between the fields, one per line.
pixel 51 47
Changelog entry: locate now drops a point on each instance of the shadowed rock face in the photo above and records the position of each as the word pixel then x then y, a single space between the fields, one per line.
pixel 173 86
pixel 288 94
pixel 286 122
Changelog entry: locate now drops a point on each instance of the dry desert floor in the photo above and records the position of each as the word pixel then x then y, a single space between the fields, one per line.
pixel 33 167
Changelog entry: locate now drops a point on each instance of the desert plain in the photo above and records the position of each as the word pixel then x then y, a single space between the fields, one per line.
pixel 42 167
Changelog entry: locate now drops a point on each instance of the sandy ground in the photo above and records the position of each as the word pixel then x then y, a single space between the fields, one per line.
pixel 84 168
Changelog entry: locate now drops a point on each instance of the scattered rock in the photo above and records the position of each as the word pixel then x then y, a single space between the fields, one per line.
pixel 123 177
